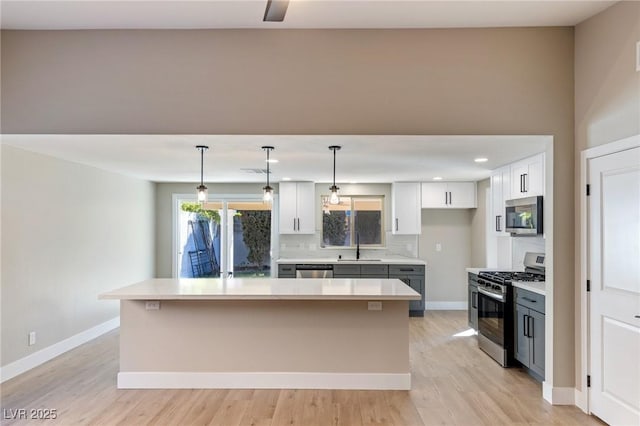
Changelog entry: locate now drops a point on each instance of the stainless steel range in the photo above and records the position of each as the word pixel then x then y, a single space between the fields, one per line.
pixel 495 307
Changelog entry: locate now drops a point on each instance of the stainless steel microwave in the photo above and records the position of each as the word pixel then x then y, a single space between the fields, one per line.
pixel 524 216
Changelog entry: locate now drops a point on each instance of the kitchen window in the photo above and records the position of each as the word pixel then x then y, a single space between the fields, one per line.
pixel 358 218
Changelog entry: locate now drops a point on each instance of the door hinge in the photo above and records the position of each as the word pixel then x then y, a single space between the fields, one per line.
pixel 588 190
pixel 588 381
pixel 588 285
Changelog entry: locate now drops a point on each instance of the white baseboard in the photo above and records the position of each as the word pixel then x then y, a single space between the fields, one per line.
pixel 284 380
pixel 446 306
pixel 558 396
pixel 35 359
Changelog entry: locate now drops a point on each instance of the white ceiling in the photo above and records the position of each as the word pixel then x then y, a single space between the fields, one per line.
pixel 362 159
pixel 171 14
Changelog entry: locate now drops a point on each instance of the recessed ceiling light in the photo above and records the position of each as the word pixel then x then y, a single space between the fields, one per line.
pixel 272 160
pixel 481 160
pixel 286 178
pixel 437 178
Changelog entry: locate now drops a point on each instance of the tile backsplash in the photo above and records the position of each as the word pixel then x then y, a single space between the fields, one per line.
pixel 521 245
pixel 308 246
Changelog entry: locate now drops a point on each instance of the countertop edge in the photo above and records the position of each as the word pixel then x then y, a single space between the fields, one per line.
pixel 256 297
pixel 529 287
pixel 382 261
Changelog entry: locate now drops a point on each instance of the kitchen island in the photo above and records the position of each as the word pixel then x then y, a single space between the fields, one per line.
pixel 264 333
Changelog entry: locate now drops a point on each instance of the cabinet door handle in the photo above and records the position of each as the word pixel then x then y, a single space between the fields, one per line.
pixel 474 300
pixel 396 223
pixel 530 327
pixel 298 224
pixel 497 223
pixel 525 324
pixel 521 183
pixel 446 198
pixel 529 300
pixel 525 183
pixel 450 199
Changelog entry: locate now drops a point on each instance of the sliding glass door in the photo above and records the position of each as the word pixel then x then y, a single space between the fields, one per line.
pixel 231 236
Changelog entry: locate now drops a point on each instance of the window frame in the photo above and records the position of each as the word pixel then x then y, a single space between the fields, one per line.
pixel 324 199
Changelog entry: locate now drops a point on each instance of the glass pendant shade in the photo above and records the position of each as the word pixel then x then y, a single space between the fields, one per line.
pixel 267 195
pixel 334 198
pixel 202 194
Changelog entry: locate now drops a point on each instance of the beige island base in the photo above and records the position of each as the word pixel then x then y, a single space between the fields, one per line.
pixel 264 333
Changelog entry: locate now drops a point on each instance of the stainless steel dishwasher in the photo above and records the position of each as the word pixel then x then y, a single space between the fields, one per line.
pixel 314 271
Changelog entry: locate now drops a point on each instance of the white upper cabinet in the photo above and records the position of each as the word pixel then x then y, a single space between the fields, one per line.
pixel 297 207
pixel 449 195
pixel 500 192
pixel 405 203
pixel 527 177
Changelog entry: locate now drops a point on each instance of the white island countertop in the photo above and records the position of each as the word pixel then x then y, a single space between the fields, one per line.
pixel 348 261
pixel 264 289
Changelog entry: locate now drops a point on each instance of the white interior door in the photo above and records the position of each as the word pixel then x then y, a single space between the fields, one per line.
pixel 614 271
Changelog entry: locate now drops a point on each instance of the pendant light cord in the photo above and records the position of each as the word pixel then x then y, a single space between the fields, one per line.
pixel 334 167
pixel 268 166
pixel 201 166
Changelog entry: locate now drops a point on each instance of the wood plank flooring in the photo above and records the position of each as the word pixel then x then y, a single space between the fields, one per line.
pixel 453 383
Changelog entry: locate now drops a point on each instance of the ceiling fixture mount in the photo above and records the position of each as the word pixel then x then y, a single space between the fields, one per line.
pixel 481 160
pixel 202 190
pixel 267 195
pixel 275 10
pixel 335 198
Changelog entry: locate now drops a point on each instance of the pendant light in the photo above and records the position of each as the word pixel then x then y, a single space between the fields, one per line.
pixel 202 190
pixel 334 198
pixel 267 195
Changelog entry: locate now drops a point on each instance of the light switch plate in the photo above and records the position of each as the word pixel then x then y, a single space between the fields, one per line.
pixel 32 338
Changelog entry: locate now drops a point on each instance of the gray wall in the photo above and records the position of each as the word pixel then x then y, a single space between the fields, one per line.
pixel 607 101
pixel 446 275
pixel 69 233
pixel 441 81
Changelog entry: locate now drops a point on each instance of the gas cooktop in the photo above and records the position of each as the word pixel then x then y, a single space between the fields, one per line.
pixel 504 277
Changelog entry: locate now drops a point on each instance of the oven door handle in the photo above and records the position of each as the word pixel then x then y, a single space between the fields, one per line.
pixel 491 295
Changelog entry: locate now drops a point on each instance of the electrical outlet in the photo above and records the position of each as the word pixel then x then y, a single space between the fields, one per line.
pixel 374 306
pixel 32 338
pixel 438 247
pixel 152 305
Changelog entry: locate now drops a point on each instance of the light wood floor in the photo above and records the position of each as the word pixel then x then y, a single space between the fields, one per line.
pixel 453 383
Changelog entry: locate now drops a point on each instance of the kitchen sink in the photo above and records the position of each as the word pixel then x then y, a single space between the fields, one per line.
pixel 359 260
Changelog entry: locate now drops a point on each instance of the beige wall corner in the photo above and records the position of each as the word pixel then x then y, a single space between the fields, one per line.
pixel 70 232
pixel 607 103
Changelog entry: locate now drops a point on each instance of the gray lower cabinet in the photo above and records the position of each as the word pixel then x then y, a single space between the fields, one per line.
pixel 530 331
pixel 346 270
pixel 413 276
pixel 286 271
pixel 472 301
